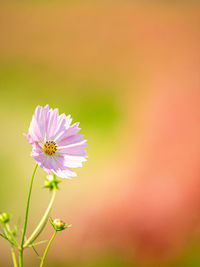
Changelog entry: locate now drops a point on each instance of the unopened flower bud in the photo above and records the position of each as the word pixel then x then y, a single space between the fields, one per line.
pixel 4 217
pixel 51 182
pixel 14 231
pixel 58 224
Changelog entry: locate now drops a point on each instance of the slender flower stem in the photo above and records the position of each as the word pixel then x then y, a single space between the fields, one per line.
pixel 46 250
pixel 43 221
pixel 20 258
pixel 9 235
pixel 14 257
pixel 9 232
pixel 26 218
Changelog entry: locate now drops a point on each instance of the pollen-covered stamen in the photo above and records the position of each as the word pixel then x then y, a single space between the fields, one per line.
pixel 50 147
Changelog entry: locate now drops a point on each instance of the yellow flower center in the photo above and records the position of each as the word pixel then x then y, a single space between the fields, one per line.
pixel 50 147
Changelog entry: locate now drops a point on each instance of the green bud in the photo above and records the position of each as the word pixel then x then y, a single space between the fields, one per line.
pixel 58 224
pixel 14 231
pixel 51 182
pixel 4 217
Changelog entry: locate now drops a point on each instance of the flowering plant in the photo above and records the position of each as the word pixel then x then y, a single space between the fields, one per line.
pixel 56 147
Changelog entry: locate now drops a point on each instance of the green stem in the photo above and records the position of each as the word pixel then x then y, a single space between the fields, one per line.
pixel 7 234
pixel 20 258
pixel 7 227
pixel 14 257
pixel 26 218
pixel 46 250
pixel 43 221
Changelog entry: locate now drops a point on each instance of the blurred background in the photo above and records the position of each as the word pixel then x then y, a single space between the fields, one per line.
pixel 128 71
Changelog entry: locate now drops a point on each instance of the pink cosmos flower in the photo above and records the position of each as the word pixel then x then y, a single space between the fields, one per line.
pixel 56 145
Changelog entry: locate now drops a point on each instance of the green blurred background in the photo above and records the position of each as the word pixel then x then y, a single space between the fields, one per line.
pixel 128 71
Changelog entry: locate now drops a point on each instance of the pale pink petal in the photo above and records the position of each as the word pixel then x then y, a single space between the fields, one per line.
pixel 37 125
pixel 41 118
pixel 52 123
pixel 64 173
pixel 70 161
pixel 73 139
pixel 59 169
pixel 72 130
pixel 73 161
pixel 74 150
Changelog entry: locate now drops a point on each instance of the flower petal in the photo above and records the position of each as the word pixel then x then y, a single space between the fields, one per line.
pixel 72 130
pixel 65 173
pixel 59 169
pixel 74 150
pixel 69 140
pixel 73 161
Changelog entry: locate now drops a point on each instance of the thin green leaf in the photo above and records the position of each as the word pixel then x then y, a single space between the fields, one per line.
pixel 38 243
pixel 5 237
pixel 2 235
pixel 68 226
pixel 36 252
